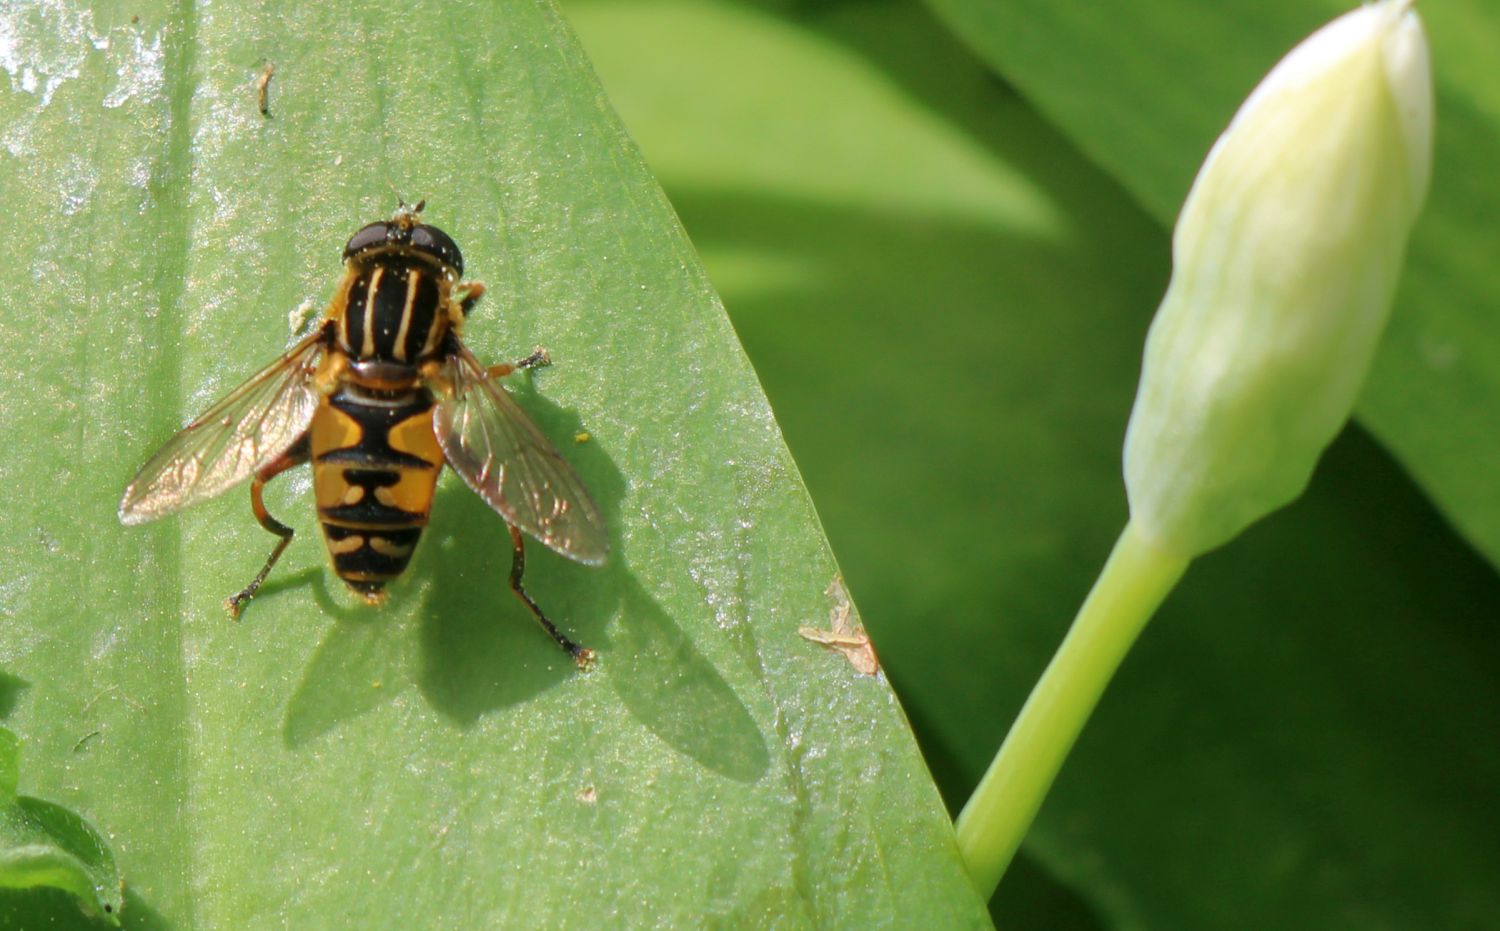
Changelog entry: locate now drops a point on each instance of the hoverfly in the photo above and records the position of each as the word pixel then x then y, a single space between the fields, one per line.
pixel 378 399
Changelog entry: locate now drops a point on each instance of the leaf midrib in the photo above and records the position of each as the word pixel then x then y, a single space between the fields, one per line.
pixel 170 200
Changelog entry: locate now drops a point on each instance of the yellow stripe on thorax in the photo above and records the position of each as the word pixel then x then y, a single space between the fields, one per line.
pixel 367 350
pixel 413 278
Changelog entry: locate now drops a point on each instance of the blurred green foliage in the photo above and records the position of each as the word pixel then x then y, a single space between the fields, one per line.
pixel 942 268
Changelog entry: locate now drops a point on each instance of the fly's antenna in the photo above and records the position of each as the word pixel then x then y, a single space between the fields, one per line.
pixel 403 209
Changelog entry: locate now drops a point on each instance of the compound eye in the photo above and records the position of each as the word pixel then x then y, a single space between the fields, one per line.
pixel 373 235
pixel 439 245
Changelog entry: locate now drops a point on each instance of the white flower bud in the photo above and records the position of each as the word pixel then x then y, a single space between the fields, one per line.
pixel 1285 259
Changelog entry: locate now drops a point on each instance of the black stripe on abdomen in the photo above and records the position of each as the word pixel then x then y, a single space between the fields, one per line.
pixel 368 508
pixel 373 449
pixel 367 558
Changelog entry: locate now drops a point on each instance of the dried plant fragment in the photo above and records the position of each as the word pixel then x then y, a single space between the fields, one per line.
pixel 263 89
pixel 845 635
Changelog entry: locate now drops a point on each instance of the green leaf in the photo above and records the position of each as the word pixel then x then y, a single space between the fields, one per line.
pixel 438 763
pixel 46 845
pixel 946 303
pixel 1144 89
pixel 10 765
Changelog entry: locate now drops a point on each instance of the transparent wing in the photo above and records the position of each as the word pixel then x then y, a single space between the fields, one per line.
pixel 248 429
pixel 500 453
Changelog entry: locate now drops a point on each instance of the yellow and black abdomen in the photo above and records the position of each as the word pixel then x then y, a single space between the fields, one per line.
pixel 375 464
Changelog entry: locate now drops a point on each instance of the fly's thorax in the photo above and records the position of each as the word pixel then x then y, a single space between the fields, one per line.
pixel 394 308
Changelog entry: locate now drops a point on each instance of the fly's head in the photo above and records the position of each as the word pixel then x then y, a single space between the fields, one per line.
pixel 404 235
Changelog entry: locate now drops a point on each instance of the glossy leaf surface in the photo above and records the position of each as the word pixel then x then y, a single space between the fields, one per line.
pixel 438 763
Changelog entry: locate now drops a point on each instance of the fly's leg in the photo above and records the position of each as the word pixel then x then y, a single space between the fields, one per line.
pixel 582 656
pixel 295 456
pixel 469 293
pixel 538 359
pixel 472 291
pixel 434 375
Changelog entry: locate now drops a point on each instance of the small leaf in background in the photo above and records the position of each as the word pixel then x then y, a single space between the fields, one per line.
pixel 43 844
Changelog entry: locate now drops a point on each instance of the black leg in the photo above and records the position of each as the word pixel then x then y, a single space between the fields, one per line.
pixel 539 359
pixel 295 456
pixel 583 656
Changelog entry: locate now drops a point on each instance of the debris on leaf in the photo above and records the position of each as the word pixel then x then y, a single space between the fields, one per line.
pixel 263 89
pixel 845 634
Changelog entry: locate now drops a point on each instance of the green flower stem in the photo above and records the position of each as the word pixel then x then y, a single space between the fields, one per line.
pixel 1134 582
